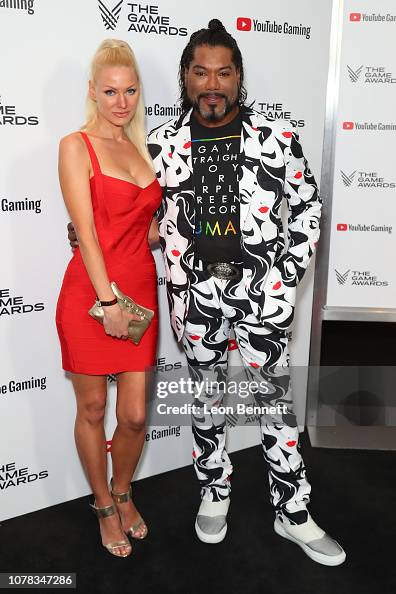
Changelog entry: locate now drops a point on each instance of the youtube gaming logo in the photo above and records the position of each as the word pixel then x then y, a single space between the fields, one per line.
pixel 244 24
pixel 355 17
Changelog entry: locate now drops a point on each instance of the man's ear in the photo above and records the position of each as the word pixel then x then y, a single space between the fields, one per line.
pixel 91 91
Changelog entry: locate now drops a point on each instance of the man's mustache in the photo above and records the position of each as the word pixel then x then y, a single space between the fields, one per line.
pixel 202 95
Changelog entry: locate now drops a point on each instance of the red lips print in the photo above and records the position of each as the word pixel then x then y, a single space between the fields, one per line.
pixel 187 144
pixel 277 286
pixel 291 443
pixel 175 253
pixel 170 155
pixel 194 337
pixel 255 365
pixel 298 175
pixel 232 345
pixel 287 134
pixel 263 209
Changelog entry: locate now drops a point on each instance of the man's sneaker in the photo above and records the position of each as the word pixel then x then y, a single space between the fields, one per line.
pixel 211 521
pixel 315 543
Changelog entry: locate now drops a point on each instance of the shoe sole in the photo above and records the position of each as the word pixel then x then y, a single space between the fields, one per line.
pixel 330 560
pixel 210 538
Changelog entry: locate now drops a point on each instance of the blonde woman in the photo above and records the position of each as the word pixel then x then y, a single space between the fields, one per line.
pixel 111 193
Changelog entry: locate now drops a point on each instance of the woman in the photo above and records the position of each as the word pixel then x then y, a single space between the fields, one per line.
pixel 111 193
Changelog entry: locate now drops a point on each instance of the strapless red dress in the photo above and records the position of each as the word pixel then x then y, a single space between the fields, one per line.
pixel 123 213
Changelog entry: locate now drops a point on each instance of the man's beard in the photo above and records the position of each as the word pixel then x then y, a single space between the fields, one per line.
pixel 210 114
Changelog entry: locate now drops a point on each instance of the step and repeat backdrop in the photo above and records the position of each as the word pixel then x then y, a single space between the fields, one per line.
pixel 363 235
pixel 46 48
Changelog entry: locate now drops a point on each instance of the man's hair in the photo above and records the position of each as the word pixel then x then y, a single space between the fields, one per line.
pixel 214 35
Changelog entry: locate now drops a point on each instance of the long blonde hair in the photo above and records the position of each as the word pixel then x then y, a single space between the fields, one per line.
pixel 114 52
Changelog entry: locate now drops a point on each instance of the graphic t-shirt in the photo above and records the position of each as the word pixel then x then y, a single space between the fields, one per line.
pixel 215 157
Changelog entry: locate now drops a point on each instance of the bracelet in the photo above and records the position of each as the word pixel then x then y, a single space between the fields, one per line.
pixel 106 303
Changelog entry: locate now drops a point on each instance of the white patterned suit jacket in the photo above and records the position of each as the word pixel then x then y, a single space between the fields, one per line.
pixel 272 168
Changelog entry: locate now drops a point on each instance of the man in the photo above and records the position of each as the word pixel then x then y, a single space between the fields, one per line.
pixel 225 170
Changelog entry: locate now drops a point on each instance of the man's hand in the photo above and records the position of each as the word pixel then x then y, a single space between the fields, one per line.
pixel 71 234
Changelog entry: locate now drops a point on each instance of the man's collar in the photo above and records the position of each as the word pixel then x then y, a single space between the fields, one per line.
pixel 184 119
pixel 247 113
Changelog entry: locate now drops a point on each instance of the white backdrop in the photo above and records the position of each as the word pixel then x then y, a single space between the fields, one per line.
pixel 363 235
pixel 46 47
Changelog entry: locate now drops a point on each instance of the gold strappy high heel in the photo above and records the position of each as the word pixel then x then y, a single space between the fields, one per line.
pixel 140 525
pixel 104 512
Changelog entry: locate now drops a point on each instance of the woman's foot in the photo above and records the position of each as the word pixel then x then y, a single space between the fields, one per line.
pixel 113 537
pixel 131 521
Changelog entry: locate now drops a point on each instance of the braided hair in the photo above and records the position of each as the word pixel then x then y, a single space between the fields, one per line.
pixel 216 34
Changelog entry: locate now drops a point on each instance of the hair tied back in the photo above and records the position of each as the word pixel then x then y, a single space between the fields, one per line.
pixel 216 25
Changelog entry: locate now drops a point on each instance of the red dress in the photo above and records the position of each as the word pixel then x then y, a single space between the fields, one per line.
pixel 122 212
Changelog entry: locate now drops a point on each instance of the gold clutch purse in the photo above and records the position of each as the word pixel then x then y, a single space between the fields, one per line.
pixel 136 328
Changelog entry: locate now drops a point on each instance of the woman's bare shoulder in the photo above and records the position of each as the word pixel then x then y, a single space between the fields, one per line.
pixel 72 145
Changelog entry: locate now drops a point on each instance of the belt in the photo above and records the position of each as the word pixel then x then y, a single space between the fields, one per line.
pixel 222 270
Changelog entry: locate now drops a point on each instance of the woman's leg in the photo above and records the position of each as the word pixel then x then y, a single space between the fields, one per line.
pixel 128 440
pixel 91 392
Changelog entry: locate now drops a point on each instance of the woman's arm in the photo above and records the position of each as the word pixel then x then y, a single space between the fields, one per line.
pixel 74 181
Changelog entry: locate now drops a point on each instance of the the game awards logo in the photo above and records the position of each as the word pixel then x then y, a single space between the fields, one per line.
pixel 231 420
pixel 110 15
pixel 359 278
pixel 11 305
pixel 342 277
pixel 142 18
pixel 10 116
pixel 371 74
pixel 11 476
pixel 354 74
pixel 366 179
pixel 347 179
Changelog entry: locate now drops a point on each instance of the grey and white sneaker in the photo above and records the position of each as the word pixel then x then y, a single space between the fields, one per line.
pixel 314 541
pixel 211 521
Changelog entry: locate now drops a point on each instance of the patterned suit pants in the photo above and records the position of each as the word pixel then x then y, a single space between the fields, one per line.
pixel 216 306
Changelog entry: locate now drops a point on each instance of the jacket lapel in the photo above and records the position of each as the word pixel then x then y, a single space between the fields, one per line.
pixel 249 161
pixel 181 151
